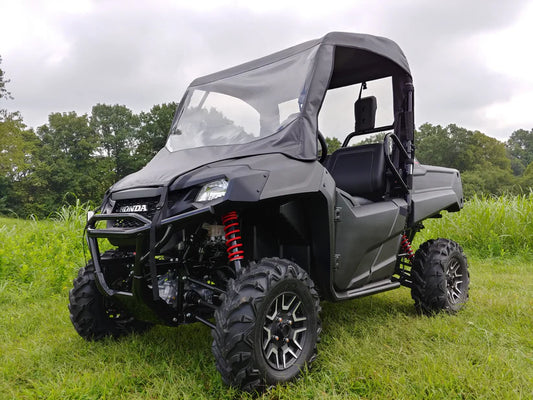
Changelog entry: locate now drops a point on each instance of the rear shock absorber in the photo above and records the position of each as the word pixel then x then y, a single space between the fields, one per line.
pixel 233 237
pixel 407 248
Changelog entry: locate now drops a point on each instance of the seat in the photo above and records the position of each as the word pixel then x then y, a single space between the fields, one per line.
pixel 360 170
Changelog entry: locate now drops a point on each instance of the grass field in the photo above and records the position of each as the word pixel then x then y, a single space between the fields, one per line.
pixel 374 347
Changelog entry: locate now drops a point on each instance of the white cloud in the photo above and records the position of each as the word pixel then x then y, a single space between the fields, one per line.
pixel 64 55
pixel 514 113
pixel 508 53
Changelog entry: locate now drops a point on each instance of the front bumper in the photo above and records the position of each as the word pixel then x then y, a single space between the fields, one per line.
pixel 140 302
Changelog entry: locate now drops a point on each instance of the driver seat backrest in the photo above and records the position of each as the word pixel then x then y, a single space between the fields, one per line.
pixel 360 170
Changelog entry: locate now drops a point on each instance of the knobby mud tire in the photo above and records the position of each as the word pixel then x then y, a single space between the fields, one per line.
pixel 241 320
pixel 440 277
pixel 94 317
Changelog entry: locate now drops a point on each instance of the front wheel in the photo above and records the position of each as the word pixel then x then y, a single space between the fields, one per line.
pixel 95 316
pixel 268 326
pixel 440 277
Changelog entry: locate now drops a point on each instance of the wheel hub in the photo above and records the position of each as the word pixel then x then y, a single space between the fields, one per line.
pixel 284 331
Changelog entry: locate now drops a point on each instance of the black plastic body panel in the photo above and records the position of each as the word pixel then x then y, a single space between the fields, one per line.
pixel 367 241
pixel 435 189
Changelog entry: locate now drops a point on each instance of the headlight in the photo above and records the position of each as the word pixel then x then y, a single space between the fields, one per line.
pixel 213 190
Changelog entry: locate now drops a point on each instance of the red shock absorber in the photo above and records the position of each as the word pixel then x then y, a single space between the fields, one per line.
pixel 233 236
pixel 406 247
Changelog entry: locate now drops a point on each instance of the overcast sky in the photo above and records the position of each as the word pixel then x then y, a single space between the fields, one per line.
pixel 471 60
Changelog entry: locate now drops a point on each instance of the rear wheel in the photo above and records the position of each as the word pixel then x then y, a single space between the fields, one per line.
pixel 95 316
pixel 440 277
pixel 267 326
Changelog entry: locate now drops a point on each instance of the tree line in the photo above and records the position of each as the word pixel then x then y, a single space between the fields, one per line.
pixel 487 165
pixel 80 156
pixel 75 155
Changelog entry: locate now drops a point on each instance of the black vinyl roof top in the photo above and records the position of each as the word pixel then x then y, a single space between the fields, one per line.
pixel 377 45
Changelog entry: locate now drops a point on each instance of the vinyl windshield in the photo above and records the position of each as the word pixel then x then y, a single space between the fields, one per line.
pixel 245 107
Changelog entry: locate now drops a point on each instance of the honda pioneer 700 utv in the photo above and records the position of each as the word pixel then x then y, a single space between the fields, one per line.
pixel 243 222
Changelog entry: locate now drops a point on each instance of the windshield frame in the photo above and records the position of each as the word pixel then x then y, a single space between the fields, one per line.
pixel 271 90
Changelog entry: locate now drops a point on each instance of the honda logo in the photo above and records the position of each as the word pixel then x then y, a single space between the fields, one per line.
pixel 134 208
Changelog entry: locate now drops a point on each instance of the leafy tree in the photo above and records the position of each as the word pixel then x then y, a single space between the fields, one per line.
pixel 459 148
pixel 4 93
pixel 333 144
pixel 488 151
pixel 17 144
pixel 63 164
pixel 16 147
pixel 494 181
pixel 115 131
pixel 520 148
pixel 517 166
pixel 376 138
pixel 482 160
pixel 526 181
pixel 155 126
pixel 434 145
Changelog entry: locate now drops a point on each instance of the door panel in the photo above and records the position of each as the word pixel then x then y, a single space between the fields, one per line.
pixel 367 238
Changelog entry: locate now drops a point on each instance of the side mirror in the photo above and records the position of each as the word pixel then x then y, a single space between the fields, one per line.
pixel 365 113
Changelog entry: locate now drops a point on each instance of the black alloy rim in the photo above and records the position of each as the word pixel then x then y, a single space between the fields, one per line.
pixel 454 281
pixel 284 331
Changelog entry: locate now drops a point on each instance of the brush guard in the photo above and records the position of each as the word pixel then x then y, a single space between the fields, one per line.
pixel 144 302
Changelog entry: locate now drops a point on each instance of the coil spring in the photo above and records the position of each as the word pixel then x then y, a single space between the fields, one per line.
pixel 407 248
pixel 232 236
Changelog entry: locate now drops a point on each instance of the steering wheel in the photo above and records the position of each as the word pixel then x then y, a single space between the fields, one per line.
pixel 323 146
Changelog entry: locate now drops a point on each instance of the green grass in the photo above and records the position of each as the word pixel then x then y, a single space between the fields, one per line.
pixel 372 348
pixel 44 254
pixel 489 226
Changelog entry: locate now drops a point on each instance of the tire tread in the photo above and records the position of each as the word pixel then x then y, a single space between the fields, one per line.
pixel 233 343
pixel 429 290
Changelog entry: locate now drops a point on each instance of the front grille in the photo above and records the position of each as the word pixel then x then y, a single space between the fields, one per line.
pixel 178 202
pixel 145 207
